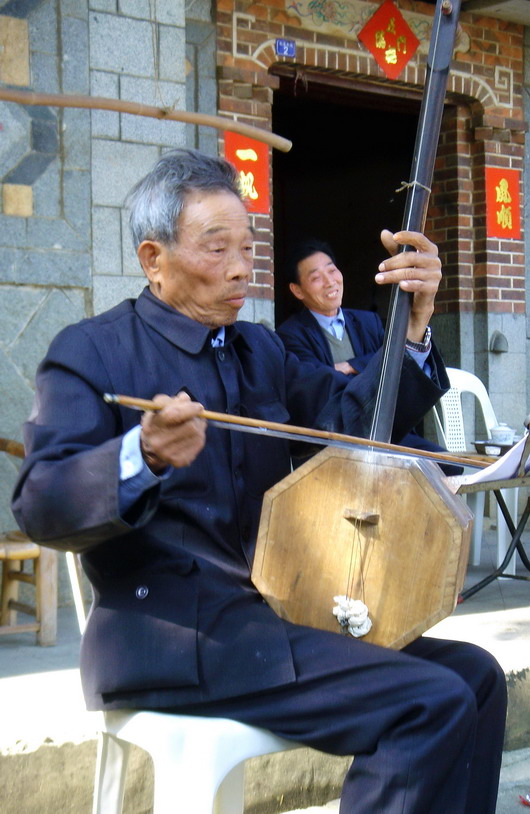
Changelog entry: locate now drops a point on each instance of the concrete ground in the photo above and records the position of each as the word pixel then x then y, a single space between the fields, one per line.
pixel 515 783
pixel 47 739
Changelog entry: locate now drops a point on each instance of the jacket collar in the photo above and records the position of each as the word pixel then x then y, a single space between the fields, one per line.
pixel 180 330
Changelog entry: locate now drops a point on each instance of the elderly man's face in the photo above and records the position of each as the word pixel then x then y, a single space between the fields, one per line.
pixel 205 275
pixel 319 285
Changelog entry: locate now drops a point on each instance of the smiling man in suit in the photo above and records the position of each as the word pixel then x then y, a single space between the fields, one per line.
pixel 324 334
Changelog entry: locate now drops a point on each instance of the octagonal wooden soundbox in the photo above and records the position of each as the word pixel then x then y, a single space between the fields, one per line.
pixel 374 526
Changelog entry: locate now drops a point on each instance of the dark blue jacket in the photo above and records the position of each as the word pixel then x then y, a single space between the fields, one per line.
pixel 302 335
pixel 176 618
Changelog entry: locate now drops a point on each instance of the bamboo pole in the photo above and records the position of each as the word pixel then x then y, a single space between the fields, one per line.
pixel 136 109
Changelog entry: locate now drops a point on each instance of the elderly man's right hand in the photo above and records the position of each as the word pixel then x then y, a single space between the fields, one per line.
pixel 174 435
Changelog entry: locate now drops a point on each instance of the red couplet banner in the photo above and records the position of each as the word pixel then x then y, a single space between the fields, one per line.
pixel 251 159
pixel 503 207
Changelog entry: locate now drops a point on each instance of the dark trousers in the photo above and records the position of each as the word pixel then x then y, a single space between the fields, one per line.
pixel 426 724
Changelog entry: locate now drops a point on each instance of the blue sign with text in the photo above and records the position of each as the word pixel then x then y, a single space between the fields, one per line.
pixel 285 48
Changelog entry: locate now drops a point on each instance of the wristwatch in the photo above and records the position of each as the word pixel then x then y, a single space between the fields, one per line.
pixel 424 345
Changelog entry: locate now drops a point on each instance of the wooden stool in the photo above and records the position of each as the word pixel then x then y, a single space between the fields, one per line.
pixel 15 550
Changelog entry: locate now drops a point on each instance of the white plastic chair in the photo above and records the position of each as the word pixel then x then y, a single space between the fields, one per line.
pixel 198 762
pixel 451 434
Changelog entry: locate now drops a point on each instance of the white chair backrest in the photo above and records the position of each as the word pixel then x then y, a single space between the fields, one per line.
pixel 450 427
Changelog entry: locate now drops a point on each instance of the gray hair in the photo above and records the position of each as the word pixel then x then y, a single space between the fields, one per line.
pixel 156 201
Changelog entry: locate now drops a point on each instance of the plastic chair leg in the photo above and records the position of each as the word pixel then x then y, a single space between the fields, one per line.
pixel 230 797
pixel 177 791
pixel 185 778
pixel 111 770
pixel 75 575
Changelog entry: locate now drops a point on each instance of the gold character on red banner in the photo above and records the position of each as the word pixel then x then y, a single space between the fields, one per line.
pixel 503 192
pixel 504 214
pixel 247 185
pixel 504 217
pixel 380 41
pixel 503 206
pixel 246 179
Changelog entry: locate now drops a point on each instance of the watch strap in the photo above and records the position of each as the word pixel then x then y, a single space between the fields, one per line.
pixel 424 345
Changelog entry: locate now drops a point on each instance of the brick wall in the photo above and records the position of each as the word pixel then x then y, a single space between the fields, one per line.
pixel 484 126
pixel 483 291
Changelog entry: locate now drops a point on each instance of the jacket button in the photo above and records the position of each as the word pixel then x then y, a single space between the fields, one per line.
pixel 142 591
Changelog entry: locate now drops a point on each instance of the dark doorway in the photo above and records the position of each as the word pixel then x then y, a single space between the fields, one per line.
pixel 350 153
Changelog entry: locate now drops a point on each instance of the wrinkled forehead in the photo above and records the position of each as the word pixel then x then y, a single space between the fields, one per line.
pixel 210 212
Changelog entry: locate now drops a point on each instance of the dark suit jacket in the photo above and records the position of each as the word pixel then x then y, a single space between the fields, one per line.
pixel 303 336
pixel 175 617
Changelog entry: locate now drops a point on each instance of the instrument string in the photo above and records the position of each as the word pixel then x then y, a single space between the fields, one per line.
pixel 368 551
pixel 354 551
pixel 359 561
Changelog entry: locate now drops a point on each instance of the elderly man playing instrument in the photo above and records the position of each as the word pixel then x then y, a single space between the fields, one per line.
pixel 165 511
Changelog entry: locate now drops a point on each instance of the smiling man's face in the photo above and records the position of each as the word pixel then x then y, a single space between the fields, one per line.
pixel 320 285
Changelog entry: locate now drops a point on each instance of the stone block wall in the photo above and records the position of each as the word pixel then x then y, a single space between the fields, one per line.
pixel 65 250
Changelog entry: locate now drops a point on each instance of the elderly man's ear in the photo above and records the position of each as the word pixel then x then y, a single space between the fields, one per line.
pixel 150 254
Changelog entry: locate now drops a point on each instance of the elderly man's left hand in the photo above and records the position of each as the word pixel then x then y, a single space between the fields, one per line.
pixel 418 272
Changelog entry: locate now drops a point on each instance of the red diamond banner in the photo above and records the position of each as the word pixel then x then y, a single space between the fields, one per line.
pixel 389 39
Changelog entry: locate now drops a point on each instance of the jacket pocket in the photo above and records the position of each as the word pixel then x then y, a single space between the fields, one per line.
pixel 142 634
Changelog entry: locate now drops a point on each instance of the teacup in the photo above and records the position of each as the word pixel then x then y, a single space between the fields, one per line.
pixel 502 434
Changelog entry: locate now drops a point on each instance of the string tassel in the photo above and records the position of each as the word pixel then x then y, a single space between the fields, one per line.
pixel 353 615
